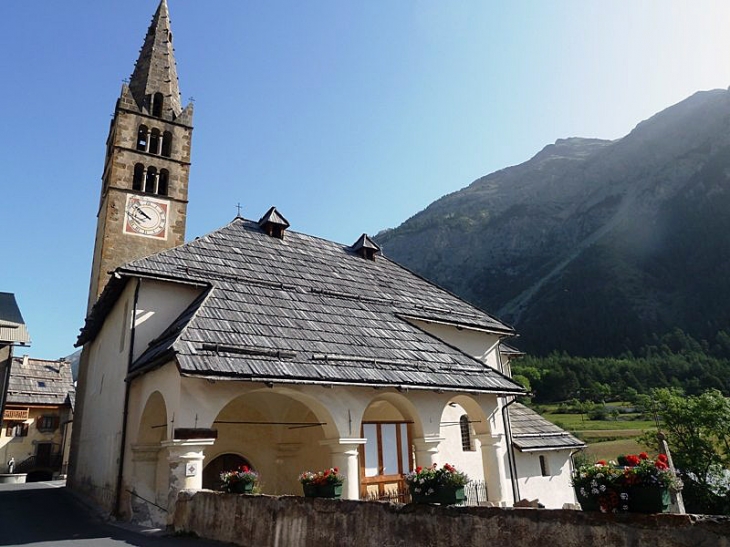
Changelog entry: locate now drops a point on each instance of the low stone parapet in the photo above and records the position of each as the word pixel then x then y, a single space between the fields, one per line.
pixel 12 478
pixel 294 521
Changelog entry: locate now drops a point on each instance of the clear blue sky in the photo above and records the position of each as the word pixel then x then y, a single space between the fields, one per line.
pixel 349 116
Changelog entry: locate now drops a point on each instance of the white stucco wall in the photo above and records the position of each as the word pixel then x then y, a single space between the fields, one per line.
pixel 552 491
pixel 478 344
pixel 450 449
pixel 98 444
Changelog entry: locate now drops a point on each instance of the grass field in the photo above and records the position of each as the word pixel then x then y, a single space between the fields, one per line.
pixel 606 439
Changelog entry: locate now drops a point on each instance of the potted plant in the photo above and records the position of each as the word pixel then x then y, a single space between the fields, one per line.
pixel 322 484
pixel 646 482
pixel 240 481
pixel 636 483
pixel 595 486
pixel 434 485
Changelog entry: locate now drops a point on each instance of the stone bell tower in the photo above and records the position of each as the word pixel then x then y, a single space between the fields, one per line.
pixel 144 191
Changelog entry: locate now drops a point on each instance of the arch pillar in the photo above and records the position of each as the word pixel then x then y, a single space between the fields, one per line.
pixel 427 450
pixel 492 448
pixel 345 457
pixel 185 457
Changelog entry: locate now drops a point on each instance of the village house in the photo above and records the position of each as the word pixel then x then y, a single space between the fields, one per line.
pixel 37 419
pixel 258 344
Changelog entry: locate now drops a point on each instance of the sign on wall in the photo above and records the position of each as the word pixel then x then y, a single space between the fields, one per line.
pixel 16 414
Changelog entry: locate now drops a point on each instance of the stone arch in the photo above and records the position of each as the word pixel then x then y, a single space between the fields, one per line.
pixel 155 141
pixel 157 104
pixel 389 424
pixel 280 431
pixel 466 439
pixel 222 462
pixel 162 183
pixel 138 178
pixel 142 137
pixel 167 144
pixel 153 423
pixel 477 417
pixel 149 467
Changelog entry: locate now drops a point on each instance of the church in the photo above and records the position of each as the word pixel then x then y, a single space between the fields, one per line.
pixel 259 345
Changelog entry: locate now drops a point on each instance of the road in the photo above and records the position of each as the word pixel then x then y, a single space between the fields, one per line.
pixel 45 514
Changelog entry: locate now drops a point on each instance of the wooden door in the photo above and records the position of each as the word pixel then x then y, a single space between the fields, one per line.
pixel 384 459
pixel 43 454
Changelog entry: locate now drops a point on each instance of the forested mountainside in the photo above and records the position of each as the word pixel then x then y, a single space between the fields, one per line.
pixel 593 247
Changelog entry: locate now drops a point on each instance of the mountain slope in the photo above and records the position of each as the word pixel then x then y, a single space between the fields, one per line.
pixel 592 245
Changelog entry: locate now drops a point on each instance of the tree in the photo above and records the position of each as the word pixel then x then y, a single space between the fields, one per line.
pixel 698 432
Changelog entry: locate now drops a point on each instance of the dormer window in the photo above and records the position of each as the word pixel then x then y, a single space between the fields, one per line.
pixel 273 223
pixel 366 247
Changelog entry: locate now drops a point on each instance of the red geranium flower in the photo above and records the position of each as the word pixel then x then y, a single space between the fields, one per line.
pixel 643 456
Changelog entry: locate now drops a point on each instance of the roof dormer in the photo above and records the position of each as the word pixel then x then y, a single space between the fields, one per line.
pixel 273 223
pixel 366 247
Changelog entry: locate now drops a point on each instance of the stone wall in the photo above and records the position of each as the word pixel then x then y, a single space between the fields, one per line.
pixel 294 521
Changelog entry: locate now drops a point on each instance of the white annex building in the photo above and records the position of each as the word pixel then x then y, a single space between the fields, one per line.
pixel 257 344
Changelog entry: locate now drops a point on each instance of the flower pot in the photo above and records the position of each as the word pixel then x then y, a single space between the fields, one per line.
pixel 446 495
pixel 648 499
pixel 587 503
pixel 240 487
pixel 332 491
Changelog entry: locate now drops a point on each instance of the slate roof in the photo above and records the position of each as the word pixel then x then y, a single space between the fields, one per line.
pixel 532 432
pixel 40 382
pixel 303 309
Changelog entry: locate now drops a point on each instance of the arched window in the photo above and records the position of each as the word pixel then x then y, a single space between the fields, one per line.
pixel 162 184
pixel 167 144
pixel 142 138
pixel 151 181
pixel 157 100
pixel 154 142
pixel 138 177
pixel 465 433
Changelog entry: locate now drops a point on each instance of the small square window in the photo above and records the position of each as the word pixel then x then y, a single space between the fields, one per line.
pixel 47 423
pixel 41 383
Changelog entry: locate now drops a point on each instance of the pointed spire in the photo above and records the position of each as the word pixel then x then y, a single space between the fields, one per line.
pixel 155 71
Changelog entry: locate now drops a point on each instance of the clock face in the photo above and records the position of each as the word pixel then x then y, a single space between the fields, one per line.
pixel 145 216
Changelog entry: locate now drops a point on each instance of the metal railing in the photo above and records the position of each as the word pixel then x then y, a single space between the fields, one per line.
pixel 53 462
pixel 475 492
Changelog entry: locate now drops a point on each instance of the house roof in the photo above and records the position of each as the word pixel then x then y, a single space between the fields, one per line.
pixel 12 326
pixel 531 432
pixel 303 309
pixel 40 382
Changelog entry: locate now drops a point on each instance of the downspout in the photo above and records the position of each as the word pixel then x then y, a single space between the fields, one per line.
pixel 510 451
pixel 130 359
pixel 508 433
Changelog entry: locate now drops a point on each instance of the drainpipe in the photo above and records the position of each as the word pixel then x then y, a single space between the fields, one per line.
pixel 508 432
pixel 510 451
pixel 130 358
